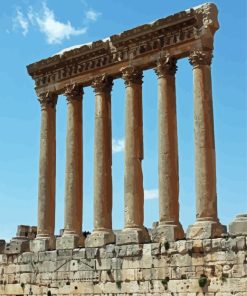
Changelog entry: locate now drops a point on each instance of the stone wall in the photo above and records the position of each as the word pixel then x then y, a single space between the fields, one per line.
pixel 185 267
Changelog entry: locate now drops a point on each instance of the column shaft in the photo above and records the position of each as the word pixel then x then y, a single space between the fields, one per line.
pixel 169 225
pixel 133 177
pixel 102 233
pixel 47 166
pixel 168 146
pixel 102 156
pixel 205 164
pixel 206 198
pixel 73 178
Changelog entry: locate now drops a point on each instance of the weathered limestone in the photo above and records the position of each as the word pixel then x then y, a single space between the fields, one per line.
pixel 134 231
pixel 169 227
pixel 2 245
pixel 72 235
pixel 47 171
pixel 102 233
pixel 207 224
pixel 152 269
pixel 239 225
pixel 26 231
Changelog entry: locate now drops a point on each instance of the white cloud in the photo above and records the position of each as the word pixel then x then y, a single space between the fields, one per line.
pixel 151 194
pixel 117 145
pixel 55 31
pixel 92 15
pixel 21 21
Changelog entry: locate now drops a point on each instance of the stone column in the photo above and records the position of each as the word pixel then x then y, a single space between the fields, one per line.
pixel 169 227
pixel 72 235
pixel 102 234
pixel 134 231
pixel 207 224
pixel 47 174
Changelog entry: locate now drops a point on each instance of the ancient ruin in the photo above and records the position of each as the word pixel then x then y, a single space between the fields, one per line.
pixel 164 260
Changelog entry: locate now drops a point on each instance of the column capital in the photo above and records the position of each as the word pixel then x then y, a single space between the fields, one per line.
pixel 131 74
pixel 73 92
pixel 102 83
pixel 166 66
pixel 200 57
pixel 47 99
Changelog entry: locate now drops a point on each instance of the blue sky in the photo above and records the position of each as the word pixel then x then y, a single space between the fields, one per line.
pixel 32 30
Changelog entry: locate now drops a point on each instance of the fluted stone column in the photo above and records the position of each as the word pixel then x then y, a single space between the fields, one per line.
pixel 72 235
pixel 169 227
pixel 207 223
pixel 134 231
pixel 102 234
pixel 47 174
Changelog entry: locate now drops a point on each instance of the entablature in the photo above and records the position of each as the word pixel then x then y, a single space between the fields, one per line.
pixel 176 35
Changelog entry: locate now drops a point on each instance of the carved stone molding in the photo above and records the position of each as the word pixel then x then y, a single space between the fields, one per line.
pixel 200 57
pixel 102 83
pixel 131 74
pixel 48 99
pixel 73 92
pixel 166 66
pixel 181 31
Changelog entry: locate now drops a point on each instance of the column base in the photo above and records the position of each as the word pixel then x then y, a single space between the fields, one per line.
pixel 100 238
pixel 40 244
pixel 167 232
pixel 70 241
pixel 205 229
pixel 239 225
pixel 132 236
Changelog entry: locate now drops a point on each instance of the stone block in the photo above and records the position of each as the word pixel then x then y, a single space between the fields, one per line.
pixel 207 245
pixel 205 230
pixel 42 244
pixel 2 246
pixel 155 249
pixel 79 253
pixel 69 242
pixel 28 257
pixel 110 251
pixel 92 253
pixel 116 263
pixel 132 236
pixel 167 233
pixel 239 225
pixel 240 242
pixel 100 239
pixel 64 254
pixel 17 246
pixel 48 256
pixel 181 246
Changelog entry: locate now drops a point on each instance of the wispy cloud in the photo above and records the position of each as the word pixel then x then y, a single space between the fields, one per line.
pixel 92 15
pixel 151 194
pixel 21 21
pixel 54 30
pixel 117 145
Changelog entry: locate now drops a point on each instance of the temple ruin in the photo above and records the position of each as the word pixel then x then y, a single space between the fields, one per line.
pixel 164 260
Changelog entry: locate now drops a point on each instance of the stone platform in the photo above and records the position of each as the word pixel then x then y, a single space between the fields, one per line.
pixel 185 267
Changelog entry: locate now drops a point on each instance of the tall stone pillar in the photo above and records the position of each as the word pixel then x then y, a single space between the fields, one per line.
pixel 207 223
pixel 47 174
pixel 169 227
pixel 134 231
pixel 72 235
pixel 102 234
